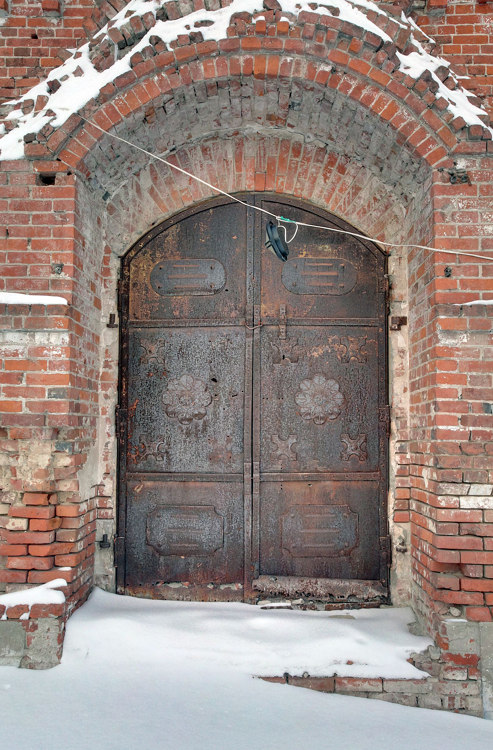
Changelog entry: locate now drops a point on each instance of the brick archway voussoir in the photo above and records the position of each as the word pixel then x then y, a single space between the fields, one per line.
pixel 427 135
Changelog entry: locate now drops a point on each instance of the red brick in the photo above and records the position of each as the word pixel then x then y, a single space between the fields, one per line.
pixel 47 610
pixel 459 597
pixel 42 576
pixel 13 576
pixel 14 613
pixel 477 558
pixel 30 563
pixel 42 524
pixel 35 498
pixel 68 560
pixel 21 511
pixel 71 511
pixel 29 537
pixel 13 549
pixel 57 548
pixel 477 584
pixel 479 614
pixel 363 684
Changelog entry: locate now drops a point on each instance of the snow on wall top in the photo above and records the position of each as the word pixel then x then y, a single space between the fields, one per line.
pixel 19 298
pixel 79 80
pixel 47 593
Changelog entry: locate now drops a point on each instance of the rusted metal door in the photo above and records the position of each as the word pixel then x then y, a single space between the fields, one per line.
pixel 252 413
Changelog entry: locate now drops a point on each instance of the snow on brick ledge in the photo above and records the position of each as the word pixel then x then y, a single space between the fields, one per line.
pixel 99 62
pixel 38 601
pixel 19 298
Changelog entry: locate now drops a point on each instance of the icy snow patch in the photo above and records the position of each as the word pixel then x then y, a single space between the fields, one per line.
pixel 18 298
pixel 47 593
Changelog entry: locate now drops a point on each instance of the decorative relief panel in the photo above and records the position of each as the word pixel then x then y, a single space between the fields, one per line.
pixel 319 399
pixel 150 449
pixel 188 277
pixel 186 399
pixel 349 348
pixel 152 353
pixel 354 447
pixel 319 530
pixel 185 530
pixel 319 276
pixel 283 448
pixel 285 351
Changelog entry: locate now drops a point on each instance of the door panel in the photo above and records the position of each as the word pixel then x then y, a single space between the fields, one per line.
pixel 324 402
pixel 204 261
pixel 320 388
pixel 252 395
pixel 185 395
pixel 184 532
pixel 319 529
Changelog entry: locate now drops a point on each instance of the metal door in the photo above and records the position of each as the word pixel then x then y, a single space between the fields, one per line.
pixel 252 413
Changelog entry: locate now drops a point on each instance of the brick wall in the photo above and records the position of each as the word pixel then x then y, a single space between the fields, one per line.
pixel 36 33
pixel 464 32
pixel 49 387
pixel 357 138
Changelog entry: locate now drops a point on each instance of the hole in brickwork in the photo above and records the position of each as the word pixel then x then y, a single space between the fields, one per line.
pixel 45 179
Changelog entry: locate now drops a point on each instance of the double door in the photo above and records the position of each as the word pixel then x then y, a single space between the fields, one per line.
pixel 253 420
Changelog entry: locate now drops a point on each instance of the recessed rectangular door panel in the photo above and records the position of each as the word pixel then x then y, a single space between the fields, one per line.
pixel 193 270
pixel 320 385
pixel 188 532
pixel 319 529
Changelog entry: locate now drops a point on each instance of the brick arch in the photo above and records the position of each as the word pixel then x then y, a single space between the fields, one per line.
pixel 425 137
pixel 315 51
pixel 272 162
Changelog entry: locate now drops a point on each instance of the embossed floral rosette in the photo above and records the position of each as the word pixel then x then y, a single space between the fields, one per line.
pixel 186 399
pixel 319 399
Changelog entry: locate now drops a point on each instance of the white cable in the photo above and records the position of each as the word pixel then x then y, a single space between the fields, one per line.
pixel 282 218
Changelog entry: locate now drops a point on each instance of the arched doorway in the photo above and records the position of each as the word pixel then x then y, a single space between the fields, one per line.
pixel 253 417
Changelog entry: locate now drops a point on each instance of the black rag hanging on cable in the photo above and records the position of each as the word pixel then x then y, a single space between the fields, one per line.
pixel 275 243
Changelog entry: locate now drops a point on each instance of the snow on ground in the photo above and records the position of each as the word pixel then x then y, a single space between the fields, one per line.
pixel 178 676
pixel 81 81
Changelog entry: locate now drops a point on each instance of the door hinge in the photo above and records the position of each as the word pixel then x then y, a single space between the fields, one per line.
pixel 386 286
pixel 120 288
pixel 120 421
pixel 119 549
pixel 384 418
pixel 386 549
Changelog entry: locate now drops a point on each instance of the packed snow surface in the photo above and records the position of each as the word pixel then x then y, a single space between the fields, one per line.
pixel 178 676
pixel 80 81
pixel 47 593
pixel 18 298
